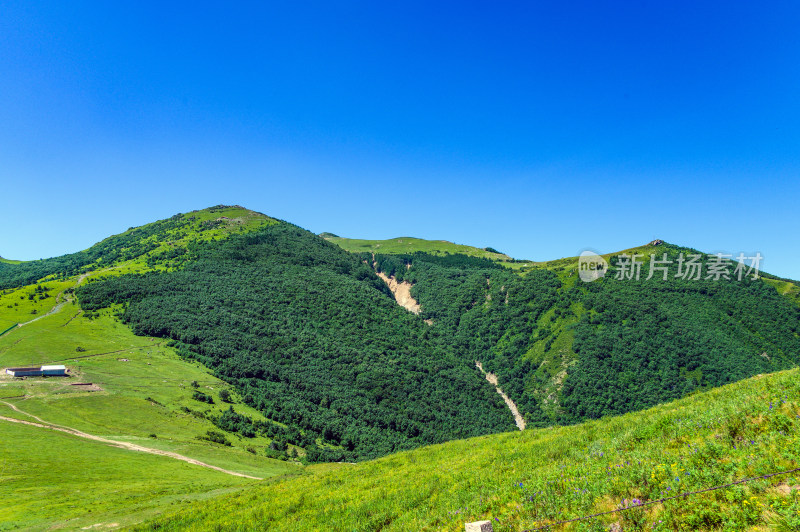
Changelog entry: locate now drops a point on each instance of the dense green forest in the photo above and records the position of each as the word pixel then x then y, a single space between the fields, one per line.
pixel 310 336
pixel 313 338
pixel 645 342
pixel 632 343
pixel 488 312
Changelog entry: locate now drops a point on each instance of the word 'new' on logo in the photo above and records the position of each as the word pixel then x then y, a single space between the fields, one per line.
pixel 591 266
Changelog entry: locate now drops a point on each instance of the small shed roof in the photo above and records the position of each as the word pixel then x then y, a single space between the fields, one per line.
pixel 53 368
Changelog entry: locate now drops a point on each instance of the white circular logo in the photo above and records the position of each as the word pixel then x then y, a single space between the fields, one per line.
pixel 591 266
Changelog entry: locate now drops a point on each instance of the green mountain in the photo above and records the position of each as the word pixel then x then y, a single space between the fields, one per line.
pixel 317 343
pixel 235 339
pixel 311 337
pixel 569 350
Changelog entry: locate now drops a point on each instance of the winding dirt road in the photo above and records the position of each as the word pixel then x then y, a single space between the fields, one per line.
pixel 40 423
pixel 121 444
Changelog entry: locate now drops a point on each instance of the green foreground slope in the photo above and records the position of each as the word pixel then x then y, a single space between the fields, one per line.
pixel 52 481
pixel 532 478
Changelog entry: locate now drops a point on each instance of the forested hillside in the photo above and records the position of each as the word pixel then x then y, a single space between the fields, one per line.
pixel 645 342
pixel 567 351
pixel 310 336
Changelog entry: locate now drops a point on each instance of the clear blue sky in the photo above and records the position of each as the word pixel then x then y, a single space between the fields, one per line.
pixel 540 130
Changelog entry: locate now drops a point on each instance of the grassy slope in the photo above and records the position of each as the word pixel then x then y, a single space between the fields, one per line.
pixel 49 479
pixel 226 220
pixel 525 479
pixel 16 306
pixel 137 374
pixel 140 396
pixel 232 219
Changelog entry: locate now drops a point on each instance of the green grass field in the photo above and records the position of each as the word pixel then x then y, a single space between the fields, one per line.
pixel 24 304
pixel 50 480
pixel 143 384
pixel 525 479
pixel 140 390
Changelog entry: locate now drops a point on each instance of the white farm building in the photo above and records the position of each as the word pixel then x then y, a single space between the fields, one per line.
pixel 38 371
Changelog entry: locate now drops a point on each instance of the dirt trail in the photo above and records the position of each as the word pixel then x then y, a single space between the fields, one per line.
pixel 402 293
pixel 15 409
pixel 121 444
pixel 492 378
pixel 59 304
pixel 53 310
